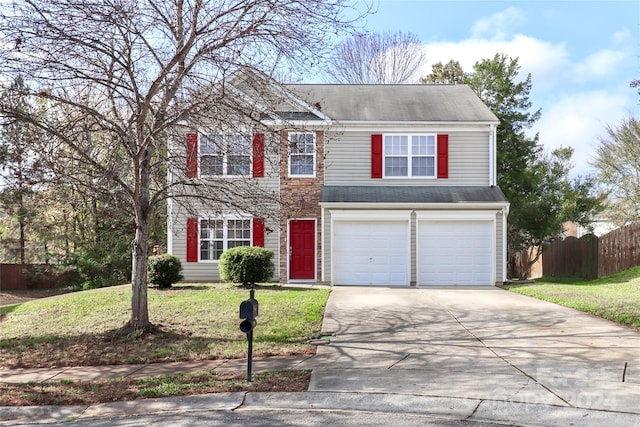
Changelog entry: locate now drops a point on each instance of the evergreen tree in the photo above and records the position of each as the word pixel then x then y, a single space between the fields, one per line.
pixel 537 184
pixel 20 173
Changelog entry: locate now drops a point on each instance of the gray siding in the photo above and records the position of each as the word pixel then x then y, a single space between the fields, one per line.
pixel 183 208
pixel 348 159
pixel 207 271
pixel 326 246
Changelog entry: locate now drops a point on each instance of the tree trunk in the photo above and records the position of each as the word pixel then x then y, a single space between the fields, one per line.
pixel 22 242
pixel 140 245
pixel 139 308
pixel 22 213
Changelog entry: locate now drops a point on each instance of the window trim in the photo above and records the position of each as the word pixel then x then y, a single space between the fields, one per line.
pixel 409 156
pixel 313 155
pixel 225 233
pixel 225 155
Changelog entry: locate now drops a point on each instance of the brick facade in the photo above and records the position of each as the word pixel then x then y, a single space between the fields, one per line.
pixel 300 199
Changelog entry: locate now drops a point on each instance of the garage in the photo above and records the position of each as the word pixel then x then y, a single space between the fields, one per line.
pixel 371 252
pixel 455 252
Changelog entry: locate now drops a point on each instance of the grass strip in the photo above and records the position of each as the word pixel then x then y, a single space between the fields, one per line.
pixel 67 392
pixel 615 297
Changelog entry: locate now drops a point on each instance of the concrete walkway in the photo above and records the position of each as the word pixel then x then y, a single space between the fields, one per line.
pixel 480 354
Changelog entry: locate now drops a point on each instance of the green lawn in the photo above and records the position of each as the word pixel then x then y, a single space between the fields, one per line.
pixel 197 321
pixel 615 297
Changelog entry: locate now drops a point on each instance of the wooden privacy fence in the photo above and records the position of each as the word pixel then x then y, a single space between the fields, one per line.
pixel 524 265
pixel 619 250
pixel 30 276
pixel 571 257
pixel 590 256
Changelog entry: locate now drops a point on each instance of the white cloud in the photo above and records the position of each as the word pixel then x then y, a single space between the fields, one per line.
pixel 622 37
pixel 598 65
pixel 579 121
pixel 499 25
pixel 578 96
pixel 545 61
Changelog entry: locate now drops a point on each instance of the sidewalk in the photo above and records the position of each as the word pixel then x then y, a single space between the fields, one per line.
pixel 94 373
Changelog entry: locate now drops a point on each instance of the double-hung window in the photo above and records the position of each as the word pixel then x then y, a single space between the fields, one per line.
pixel 410 155
pixel 225 155
pixel 219 234
pixel 302 154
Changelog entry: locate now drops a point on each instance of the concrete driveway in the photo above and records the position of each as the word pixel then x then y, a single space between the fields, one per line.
pixel 476 343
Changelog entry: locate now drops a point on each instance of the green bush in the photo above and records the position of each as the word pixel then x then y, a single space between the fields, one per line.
pixel 164 270
pixel 246 265
pixel 87 270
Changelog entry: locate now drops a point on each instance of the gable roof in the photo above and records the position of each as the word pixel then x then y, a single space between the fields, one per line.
pixel 395 103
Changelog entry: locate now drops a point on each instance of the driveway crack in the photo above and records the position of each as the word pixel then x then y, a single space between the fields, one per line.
pixel 398 361
pixel 475 409
pixel 241 404
pixel 532 378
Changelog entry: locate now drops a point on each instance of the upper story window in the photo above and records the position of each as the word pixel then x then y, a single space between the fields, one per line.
pixel 218 235
pixel 409 156
pixel 302 154
pixel 225 155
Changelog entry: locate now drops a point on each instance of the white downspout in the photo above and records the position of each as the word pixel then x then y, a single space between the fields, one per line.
pixel 322 258
pixel 169 247
pixel 505 213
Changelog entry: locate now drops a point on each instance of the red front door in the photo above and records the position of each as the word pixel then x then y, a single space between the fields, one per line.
pixel 302 249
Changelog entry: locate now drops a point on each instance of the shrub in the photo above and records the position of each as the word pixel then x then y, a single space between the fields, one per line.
pixel 98 265
pixel 246 265
pixel 88 271
pixel 164 270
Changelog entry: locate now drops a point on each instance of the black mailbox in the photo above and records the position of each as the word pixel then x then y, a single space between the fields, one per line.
pixel 247 325
pixel 249 312
pixel 249 309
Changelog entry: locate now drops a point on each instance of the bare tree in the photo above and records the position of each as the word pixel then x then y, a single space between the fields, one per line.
pixel 389 58
pixel 122 79
pixel 617 160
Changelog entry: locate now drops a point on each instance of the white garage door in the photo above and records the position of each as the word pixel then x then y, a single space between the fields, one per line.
pixel 371 253
pixel 455 252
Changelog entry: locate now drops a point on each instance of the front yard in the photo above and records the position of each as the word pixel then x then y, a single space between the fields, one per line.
pixel 201 321
pixel 196 321
pixel 615 297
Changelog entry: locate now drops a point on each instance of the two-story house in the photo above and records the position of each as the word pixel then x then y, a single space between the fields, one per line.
pixel 389 185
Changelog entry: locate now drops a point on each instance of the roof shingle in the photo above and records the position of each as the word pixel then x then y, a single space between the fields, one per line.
pixel 395 103
pixel 410 194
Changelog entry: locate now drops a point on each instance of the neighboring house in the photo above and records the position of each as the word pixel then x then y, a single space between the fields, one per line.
pixel 599 227
pixel 385 185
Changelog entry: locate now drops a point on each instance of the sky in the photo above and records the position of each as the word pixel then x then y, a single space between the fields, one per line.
pixel 581 55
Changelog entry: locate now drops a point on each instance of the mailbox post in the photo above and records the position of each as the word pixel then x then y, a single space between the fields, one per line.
pixel 249 312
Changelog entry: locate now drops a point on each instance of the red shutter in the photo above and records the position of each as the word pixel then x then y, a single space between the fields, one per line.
pixel 192 239
pixel 443 156
pixel 258 232
pixel 192 155
pixel 376 156
pixel 258 155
